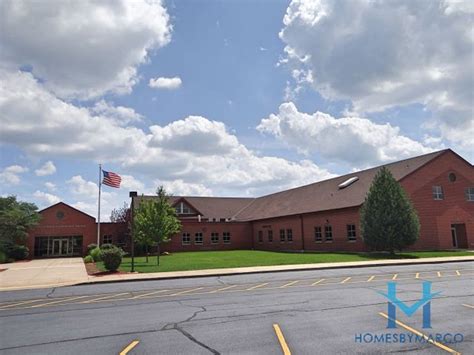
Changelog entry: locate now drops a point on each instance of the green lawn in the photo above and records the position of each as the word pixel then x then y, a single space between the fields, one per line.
pixel 238 258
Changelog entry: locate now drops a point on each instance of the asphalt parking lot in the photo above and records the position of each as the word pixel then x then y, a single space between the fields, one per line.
pixel 305 312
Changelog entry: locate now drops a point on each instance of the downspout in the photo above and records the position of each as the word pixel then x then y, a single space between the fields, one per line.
pixel 302 232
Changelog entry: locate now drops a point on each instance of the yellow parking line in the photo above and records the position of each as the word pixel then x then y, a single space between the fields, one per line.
pixel 438 273
pixel 148 294
pixel 55 302
pixel 427 338
pixel 395 277
pixel 317 282
pixel 129 347
pixel 19 304
pixel 257 286
pixel 104 298
pixel 417 275
pixel 281 339
pixel 186 291
pixel 458 273
pixel 371 278
pixel 467 305
pixel 345 280
pixel 224 288
pixel 289 284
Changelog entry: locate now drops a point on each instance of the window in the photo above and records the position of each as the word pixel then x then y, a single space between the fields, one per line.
pixel 260 236
pixel 198 238
pixel 438 193
pixel 470 194
pixel 318 234
pixel 289 235
pixel 270 236
pixel 186 239
pixel 452 177
pixel 351 232
pixel 328 233
pixel 214 238
pixel 226 237
pixel 107 239
pixel 282 235
pixel 182 208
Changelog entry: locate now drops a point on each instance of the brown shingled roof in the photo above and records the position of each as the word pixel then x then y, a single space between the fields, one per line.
pixel 325 195
pixel 208 207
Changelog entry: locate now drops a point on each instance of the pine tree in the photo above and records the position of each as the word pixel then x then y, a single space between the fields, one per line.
pixel 388 219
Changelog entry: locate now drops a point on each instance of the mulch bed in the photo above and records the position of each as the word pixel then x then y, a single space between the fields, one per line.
pixel 93 270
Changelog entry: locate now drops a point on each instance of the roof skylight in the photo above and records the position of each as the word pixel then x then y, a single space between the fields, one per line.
pixel 348 182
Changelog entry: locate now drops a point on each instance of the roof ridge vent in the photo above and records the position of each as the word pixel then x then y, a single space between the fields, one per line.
pixel 348 182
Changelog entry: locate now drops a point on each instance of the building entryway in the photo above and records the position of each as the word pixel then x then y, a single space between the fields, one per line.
pixel 58 246
pixel 459 236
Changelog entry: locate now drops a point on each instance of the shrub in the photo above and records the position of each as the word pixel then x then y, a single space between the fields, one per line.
pixel 18 252
pixel 96 254
pixel 88 259
pixel 107 246
pixel 3 258
pixel 112 258
pixel 91 247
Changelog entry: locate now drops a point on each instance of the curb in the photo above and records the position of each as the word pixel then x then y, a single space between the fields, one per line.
pixel 231 273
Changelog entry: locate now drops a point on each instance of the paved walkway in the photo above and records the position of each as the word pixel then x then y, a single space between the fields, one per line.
pixel 42 273
pixel 265 269
pixel 71 271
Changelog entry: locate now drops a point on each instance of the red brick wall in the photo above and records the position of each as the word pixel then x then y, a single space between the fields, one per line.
pixel 275 224
pixel 240 232
pixel 73 223
pixel 436 216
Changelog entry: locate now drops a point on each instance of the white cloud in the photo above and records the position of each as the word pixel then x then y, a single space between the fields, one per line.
pixel 122 115
pixel 47 169
pixel 357 141
pixel 130 183
pixel 11 174
pixel 81 187
pixel 165 83
pixel 50 186
pixel 383 54
pixel 195 149
pixel 84 48
pixel 50 199
pixel 181 188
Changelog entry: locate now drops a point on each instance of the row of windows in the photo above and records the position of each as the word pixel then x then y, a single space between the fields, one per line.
pixel 438 193
pixel 199 239
pixel 286 235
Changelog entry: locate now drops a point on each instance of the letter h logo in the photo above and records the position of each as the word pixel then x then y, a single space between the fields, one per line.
pixel 394 302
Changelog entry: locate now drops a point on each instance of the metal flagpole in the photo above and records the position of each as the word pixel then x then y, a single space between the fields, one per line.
pixel 98 212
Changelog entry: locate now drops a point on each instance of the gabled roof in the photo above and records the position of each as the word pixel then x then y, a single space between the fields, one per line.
pixel 68 206
pixel 207 207
pixel 325 195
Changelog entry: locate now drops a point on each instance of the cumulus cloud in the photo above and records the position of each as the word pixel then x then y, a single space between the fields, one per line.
pixel 79 186
pixel 383 54
pixel 82 49
pixel 48 198
pixel 165 83
pixel 122 115
pixel 181 188
pixel 50 186
pixel 357 141
pixel 11 174
pixel 194 149
pixel 47 169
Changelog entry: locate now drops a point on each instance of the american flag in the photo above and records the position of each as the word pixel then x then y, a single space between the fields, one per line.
pixel 111 179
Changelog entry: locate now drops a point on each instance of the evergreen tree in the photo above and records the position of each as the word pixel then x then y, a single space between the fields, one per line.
pixel 388 219
pixel 156 222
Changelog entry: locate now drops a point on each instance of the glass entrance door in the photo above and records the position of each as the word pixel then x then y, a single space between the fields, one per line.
pixel 60 247
pixel 454 236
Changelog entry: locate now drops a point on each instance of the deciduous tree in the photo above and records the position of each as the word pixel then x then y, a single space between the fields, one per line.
pixel 156 220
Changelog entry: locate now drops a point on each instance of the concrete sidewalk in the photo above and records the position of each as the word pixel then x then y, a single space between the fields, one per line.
pixel 42 273
pixel 47 273
pixel 267 269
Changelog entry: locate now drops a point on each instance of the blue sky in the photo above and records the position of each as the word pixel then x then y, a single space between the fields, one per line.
pixel 272 94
